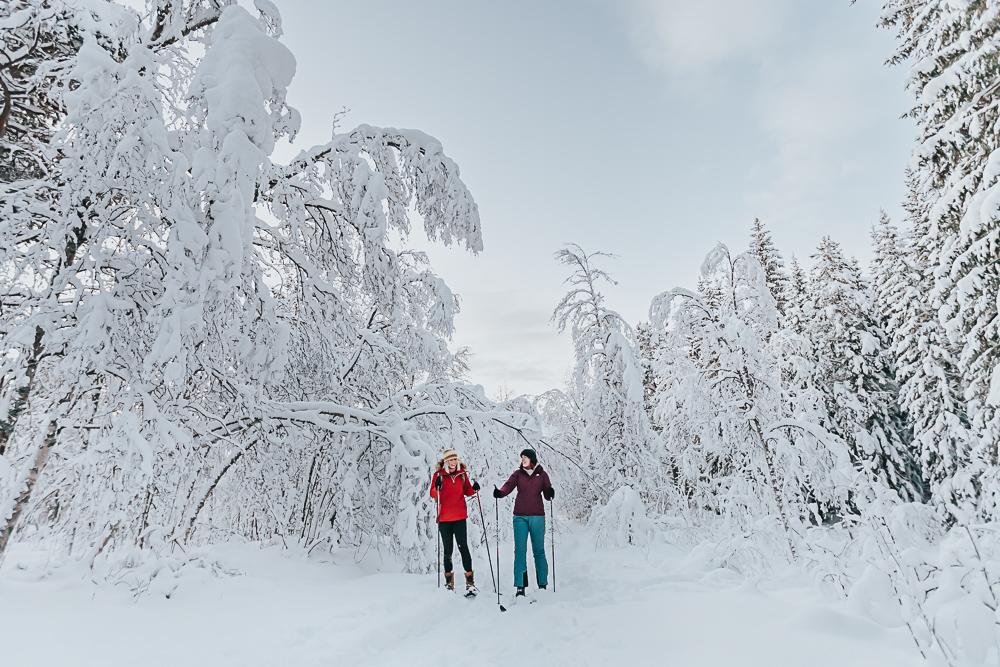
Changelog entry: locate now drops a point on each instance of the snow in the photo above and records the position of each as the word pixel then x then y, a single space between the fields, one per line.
pixel 218 307
pixel 610 606
pixel 994 395
pixel 269 12
pixel 622 521
pixel 869 344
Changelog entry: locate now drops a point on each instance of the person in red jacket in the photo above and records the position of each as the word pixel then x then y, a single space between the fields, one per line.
pixel 450 484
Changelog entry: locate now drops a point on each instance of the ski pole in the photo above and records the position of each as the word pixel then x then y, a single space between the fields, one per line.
pixel 552 509
pixel 437 526
pixel 489 556
pixel 496 502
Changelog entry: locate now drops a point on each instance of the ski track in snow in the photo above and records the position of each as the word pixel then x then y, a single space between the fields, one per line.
pixel 610 607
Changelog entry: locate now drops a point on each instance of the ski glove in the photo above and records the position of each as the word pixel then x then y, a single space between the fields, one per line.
pixel 549 493
pixel 438 482
pixel 496 493
pixel 475 486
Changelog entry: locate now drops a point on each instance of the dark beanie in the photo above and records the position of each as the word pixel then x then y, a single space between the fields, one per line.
pixel 532 456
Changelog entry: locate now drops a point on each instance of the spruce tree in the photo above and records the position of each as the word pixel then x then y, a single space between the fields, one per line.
pixel 954 51
pixel 853 372
pixel 795 297
pixel 927 370
pixel 762 247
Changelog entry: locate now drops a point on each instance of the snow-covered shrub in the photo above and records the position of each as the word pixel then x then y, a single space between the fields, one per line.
pixel 942 586
pixel 161 575
pixel 945 593
pixel 622 520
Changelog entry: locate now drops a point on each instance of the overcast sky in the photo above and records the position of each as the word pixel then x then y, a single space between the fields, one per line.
pixel 649 129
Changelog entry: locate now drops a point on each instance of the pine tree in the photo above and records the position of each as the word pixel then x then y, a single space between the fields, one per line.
pixel 927 370
pixel 954 51
pixel 796 297
pixel 853 371
pixel 762 247
pixel 890 276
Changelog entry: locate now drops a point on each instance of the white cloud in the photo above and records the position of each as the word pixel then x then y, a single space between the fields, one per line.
pixel 818 94
pixel 814 113
pixel 689 35
pixel 513 345
pixel 828 118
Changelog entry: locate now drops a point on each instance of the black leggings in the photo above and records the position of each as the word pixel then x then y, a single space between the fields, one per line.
pixel 455 530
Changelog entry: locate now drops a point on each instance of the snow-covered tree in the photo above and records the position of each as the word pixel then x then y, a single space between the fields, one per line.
pixel 617 439
pixel 854 373
pixel 890 276
pixel 36 41
pixel 926 364
pixel 954 48
pixel 39 43
pixel 762 247
pixel 201 341
pixel 562 421
pixel 741 448
pixel 647 353
pixel 796 298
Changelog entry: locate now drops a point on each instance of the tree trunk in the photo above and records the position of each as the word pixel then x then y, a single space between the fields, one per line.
pixel 23 393
pixel 775 489
pixel 21 502
pixel 305 497
pixel 208 492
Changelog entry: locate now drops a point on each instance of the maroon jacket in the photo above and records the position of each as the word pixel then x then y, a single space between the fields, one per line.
pixel 529 491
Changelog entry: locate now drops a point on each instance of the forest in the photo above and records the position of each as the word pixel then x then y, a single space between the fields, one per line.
pixel 203 344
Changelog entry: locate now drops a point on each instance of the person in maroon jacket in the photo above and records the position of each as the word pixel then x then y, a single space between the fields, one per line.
pixel 532 484
pixel 450 484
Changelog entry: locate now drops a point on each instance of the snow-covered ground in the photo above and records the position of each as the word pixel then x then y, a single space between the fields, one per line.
pixel 609 608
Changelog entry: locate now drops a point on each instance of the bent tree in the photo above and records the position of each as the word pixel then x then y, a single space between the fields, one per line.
pixel 203 340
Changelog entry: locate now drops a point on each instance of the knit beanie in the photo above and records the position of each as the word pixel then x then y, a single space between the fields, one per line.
pixel 532 456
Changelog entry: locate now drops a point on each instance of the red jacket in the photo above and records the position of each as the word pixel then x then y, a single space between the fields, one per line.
pixel 454 487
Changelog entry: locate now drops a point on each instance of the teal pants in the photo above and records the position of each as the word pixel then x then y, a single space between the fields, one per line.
pixel 535 527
